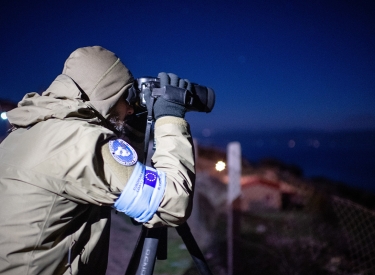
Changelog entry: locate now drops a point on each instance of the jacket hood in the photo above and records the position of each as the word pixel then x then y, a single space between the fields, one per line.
pixel 100 74
pixel 92 77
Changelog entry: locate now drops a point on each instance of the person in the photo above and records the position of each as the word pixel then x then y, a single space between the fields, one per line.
pixel 68 163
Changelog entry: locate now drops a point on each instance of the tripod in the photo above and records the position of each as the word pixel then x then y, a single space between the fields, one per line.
pixel 152 243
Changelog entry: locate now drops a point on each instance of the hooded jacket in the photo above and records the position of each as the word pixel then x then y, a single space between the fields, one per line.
pixel 58 180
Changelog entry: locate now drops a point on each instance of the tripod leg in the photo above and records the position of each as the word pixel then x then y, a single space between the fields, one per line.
pixel 144 255
pixel 192 246
pixel 148 257
pixel 134 260
pixel 163 244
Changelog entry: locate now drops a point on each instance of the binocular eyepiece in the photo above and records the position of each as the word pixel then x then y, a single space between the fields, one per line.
pixel 199 98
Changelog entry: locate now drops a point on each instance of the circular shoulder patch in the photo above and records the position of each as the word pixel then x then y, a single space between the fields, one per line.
pixel 122 152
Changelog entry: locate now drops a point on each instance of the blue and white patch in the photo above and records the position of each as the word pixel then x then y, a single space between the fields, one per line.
pixel 142 194
pixel 122 152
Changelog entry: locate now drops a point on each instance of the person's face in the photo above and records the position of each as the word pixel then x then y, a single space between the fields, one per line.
pixel 120 112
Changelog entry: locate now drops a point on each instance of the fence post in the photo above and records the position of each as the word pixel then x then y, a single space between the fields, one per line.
pixel 233 204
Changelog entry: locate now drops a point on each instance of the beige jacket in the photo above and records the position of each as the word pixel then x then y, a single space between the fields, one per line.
pixel 58 182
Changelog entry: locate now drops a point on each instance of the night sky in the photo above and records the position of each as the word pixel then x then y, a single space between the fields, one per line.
pixel 273 64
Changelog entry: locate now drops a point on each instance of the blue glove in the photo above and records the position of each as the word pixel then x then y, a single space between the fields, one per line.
pixel 163 107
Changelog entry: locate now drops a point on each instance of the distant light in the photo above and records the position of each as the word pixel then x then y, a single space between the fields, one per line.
pixel 291 143
pixel 316 143
pixel 3 116
pixel 206 132
pixel 220 165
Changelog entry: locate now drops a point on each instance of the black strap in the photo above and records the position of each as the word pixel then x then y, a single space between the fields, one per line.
pixel 150 121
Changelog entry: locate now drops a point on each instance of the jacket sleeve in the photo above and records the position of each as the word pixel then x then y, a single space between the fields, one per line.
pixel 174 155
pixel 173 159
pixel 116 174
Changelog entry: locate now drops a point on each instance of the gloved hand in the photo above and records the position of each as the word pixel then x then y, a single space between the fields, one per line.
pixel 163 107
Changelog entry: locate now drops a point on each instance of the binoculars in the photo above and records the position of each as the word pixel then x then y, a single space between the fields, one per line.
pixel 198 98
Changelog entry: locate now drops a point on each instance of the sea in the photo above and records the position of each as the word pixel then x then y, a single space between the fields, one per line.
pixel 346 157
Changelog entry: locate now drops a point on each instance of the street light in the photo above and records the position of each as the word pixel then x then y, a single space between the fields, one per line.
pixel 220 166
pixel 3 116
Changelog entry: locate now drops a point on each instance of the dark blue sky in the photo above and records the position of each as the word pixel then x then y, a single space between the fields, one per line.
pixel 273 64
